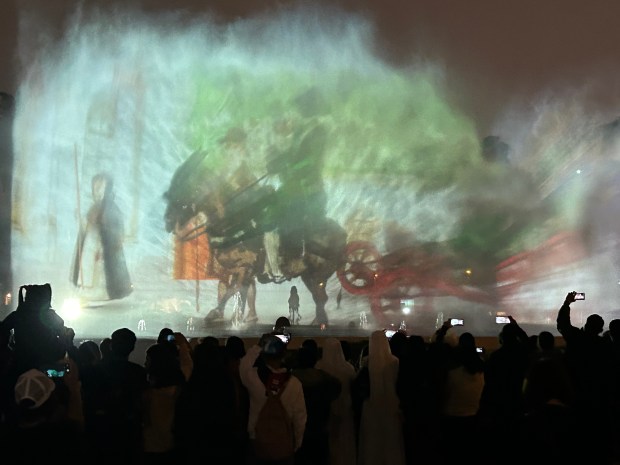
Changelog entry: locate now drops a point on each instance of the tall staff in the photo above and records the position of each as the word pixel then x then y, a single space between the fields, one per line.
pixel 79 215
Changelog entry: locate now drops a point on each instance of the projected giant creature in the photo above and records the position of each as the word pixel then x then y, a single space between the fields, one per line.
pixel 270 228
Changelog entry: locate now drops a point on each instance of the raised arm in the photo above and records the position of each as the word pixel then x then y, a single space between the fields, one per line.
pixel 563 321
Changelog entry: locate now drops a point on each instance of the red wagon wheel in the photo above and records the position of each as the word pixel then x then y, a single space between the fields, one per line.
pixel 362 265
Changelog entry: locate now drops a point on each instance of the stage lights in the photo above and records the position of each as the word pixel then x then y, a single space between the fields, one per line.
pixel 406 306
pixel 70 309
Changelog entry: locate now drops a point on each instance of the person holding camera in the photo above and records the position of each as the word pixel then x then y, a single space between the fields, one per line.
pixel 588 360
pixel 272 378
pixel 459 381
pixel 39 335
pixel 501 402
pixel 47 412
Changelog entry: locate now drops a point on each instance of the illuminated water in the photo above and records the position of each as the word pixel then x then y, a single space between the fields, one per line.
pixel 135 95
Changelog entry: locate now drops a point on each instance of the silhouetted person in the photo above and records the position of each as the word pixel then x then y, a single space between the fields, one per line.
pixel 7 381
pixel 293 305
pixel 547 347
pixel 234 351
pixel 165 335
pixel 320 390
pixel 460 390
pixel 612 337
pixel 416 393
pixel 342 445
pixel 501 403
pixel 165 381
pixel 235 347
pixel 104 347
pixel 281 322
pixel 69 343
pixel 89 356
pixel 381 430
pixel 38 331
pixel 270 376
pixel 208 423
pixel 550 429
pixel 210 341
pixel 48 413
pixel 116 430
pixel 589 361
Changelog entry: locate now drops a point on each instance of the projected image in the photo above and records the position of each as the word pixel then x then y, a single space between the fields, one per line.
pixel 190 175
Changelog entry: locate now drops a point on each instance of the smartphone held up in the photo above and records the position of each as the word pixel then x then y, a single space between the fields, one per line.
pixel 56 370
pixel 580 296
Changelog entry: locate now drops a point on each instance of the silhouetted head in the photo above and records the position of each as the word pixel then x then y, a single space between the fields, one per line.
pixel 509 334
pixel 308 353
pixel 105 348
pixel 307 357
pixel 282 322
pixel 35 296
pixel 614 330
pixel 397 343
pixel 90 353
pixel 467 341
pixel 162 366
pixel 235 347
pixel 164 335
pixel 123 342
pixel 208 362
pixel 273 350
pixel 546 340
pixel 594 324
pixel 310 344
pixel 211 341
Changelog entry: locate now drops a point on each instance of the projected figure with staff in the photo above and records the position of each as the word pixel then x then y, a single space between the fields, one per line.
pixel 99 269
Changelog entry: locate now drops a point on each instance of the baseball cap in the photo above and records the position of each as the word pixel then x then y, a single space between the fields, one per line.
pixel 33 385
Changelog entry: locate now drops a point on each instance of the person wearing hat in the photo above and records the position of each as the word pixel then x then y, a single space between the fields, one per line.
pixel 270 376
pixel 47 419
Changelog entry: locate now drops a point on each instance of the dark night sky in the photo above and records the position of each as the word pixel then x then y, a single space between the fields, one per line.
pixel 494 51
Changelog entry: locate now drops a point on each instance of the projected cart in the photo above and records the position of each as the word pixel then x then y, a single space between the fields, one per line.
pixel 392 279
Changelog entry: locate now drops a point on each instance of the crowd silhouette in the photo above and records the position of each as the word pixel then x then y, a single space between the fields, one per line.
pixel 403 400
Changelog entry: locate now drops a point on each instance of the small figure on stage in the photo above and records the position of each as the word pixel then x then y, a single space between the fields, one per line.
pixel 293 306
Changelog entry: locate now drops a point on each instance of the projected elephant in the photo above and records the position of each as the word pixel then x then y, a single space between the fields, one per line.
pixel 256 231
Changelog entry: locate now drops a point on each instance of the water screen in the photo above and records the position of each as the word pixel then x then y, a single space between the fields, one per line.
pixel 210 177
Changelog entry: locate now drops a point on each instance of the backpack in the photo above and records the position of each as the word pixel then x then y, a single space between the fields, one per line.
pixel 275 437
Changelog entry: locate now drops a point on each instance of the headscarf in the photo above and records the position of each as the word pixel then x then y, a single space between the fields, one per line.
pixel 333 361
pixel 380 362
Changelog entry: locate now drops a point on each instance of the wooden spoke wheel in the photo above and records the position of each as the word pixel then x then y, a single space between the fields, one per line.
pixel 362 265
